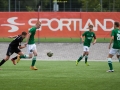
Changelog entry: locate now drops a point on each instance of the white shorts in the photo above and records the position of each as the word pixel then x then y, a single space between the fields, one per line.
pixel 86 48
pixel 31 48
pixel 114 51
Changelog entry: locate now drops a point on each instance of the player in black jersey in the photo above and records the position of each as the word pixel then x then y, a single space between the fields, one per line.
pixel 14 47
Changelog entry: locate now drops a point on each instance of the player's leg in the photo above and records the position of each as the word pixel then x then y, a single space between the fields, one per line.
pixel 34 58
pixel 31 49
pixel 81 57
pixel 118 55
pixel 86 58
pixel 111 54
pixel 16 50
pixel 86 55
pixel 110 63
pixel 4 60
pixel 21 55
pixel 8 54
pixel 17 58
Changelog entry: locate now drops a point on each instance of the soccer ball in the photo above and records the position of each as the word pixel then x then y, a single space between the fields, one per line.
pixel 49 54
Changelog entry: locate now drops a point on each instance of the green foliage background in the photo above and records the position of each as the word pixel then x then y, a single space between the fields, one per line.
pixel 70 5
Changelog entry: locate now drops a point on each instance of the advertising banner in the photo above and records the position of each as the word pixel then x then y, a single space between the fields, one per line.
pixel 58 24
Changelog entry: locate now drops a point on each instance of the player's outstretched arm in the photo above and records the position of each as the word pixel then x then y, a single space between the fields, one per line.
pixel 12 36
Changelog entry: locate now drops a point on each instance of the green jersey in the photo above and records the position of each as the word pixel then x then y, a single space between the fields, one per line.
pixel 116 42
pixel 32 31
pixel 88 37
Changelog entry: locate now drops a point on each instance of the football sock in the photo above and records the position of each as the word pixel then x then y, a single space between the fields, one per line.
pixel 86 57
pixel 24 56
pixel 110 63
pixel 80 58
pixel 2 62
pixel 33 61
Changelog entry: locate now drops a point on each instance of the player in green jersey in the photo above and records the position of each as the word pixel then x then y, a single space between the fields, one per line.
pixel 89 35
pixel 31 47
pixel 118 54
pixel 115 38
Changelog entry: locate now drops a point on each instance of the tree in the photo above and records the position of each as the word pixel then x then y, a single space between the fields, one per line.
pixel 3 5
pixel 86 5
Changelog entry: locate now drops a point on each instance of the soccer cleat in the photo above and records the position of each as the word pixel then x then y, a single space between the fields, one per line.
pixel 13 61
pixel 76 62
pixel 18 59
pixel 87 64
pixel 33 68
pixel 110 71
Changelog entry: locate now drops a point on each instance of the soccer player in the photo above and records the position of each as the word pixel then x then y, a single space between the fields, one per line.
pixel 89 35
pixel 31 47
pixel 14 47
pixel 118 54
pixel 115 38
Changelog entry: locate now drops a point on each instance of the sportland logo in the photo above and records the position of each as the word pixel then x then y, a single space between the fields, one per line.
pixel 12 24
pixel 70 24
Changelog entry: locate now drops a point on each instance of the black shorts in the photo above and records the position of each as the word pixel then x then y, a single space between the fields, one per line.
pixel 12 50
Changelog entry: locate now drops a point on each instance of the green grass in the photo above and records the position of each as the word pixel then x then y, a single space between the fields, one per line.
pixel 59 40
pixel 59 75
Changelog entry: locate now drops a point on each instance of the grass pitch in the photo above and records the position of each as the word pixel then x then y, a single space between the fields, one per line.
pixel 59 75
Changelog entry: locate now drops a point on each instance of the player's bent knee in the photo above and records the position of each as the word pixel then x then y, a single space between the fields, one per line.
pixel 110 56
pixel 30 56
pixel 86 53
pixel 7 58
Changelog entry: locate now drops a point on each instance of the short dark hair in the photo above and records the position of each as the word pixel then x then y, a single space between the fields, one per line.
pixel 117 24
pixel 24 33
pixel 90 26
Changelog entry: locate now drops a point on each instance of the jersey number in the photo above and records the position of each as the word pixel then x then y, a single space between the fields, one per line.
pixel 118 36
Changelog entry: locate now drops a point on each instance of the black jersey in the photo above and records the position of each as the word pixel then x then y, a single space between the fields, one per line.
pixel 17 41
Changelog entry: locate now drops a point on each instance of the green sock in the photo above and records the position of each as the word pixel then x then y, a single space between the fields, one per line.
pixel 33 61
pixel 24 56
pixel 110 63
pixel 80 58
pixel 86 57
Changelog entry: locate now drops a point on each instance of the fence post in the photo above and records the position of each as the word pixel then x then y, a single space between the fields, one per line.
pixel 9 6
pixel 19 6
